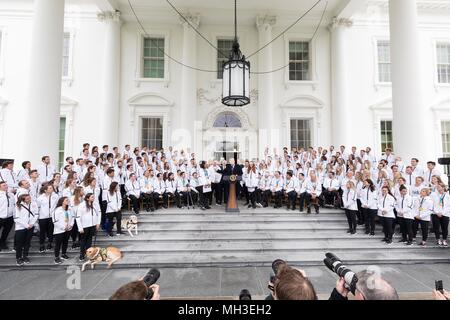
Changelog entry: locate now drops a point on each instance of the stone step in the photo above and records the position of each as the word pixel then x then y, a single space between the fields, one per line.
pixel 235 259
pixel 239 219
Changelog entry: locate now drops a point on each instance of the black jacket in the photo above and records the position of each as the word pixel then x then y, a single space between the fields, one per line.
pixel 337 296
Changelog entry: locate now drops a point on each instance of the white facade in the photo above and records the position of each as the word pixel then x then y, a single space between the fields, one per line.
pixel 104 95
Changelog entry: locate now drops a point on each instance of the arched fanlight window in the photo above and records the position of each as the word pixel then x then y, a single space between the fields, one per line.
pixel 227 120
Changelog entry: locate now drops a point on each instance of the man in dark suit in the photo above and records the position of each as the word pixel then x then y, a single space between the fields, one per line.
pixel 232 169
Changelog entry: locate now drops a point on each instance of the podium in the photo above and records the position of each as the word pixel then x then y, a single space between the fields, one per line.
pixel 232 204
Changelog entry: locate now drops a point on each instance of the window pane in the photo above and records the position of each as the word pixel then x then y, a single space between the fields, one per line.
pixel 299 58
pixel 152 132
pixel 153 58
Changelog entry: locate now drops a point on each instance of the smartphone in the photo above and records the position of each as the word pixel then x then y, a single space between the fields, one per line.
pixel 439 286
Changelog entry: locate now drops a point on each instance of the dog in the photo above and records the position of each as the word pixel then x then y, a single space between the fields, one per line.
pixel 96 255
pixel 131 224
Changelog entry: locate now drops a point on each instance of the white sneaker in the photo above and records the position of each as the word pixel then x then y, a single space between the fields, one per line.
pixel 259 205
pixel 444 243
pixel 439 242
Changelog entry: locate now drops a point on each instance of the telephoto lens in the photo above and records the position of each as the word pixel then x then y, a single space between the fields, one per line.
pixel 276 265
pixel 245 295
pixel 335 264
pixel 150 279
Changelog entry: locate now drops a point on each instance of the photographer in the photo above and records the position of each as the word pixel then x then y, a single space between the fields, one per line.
pixel 370 286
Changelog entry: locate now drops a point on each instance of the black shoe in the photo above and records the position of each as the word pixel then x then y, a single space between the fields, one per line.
pixel 49 246
pixel 41 249
pixel 293 209
pixel 349 231
pixel 384 240
pixel 353 231
pixel 26 260
pixel 165 207
pixel 389 241
pixel 148 209
pixel 111 235
pixel 19 262
pixel 367 232
pixel 65 257
pixel 58 260
pixel 249 206
pixel 409 243
pixel 81 258
pixel 208 207
pixel 372 233
pixel 402 240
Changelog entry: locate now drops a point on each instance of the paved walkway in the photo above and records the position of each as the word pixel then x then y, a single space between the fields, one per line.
pixel 201 282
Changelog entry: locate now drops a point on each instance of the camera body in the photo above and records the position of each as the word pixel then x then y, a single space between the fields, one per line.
pixel 151 278
pixel 337 266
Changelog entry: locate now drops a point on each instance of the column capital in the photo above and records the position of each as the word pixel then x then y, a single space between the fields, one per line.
pixel 340 22
pixel 109 16
pixel 265 22
pixel 194 20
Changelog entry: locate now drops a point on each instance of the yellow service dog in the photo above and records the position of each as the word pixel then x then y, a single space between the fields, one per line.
pixel 96 255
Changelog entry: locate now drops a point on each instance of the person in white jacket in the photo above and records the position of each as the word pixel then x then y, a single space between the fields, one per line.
pixel 75 201
pixel 251 182
pixel 133 190
pixel 7 209
pixel 289 190
pixel 405 216
pixel 171 188
pixel 350 205
pixel 423 208
pixel 386 205
pixel 25 217
pixel 147 190
pixel 63 221
pixel 47 204
pixel 113 209
pixel 441 214
pixel 88 222
pixel 313 192
pixel 276 188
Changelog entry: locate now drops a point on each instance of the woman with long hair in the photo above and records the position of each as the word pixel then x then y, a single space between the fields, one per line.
pixel 369 205
pixel 441 214
pixel 404 206
pixel 63 221
pixel 113 209
pixel 350 205
pixel 386 205
pixel 88 221
pixel 69 188
pixel 75 201
pixel 25 217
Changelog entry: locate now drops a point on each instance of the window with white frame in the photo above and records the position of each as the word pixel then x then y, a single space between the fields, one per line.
pixel 301 133
pixel 384 61
pixel 386 135
pixel 62 141
pixel 443 62
pixel 224 46
pixel 66 54
pixel 152 132
pixel 445 134
pixel 153 58
pixel 299 61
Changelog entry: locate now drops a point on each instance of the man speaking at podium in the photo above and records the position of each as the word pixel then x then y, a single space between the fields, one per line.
pixel 232 169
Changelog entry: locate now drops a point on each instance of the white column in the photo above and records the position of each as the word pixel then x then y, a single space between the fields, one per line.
pixel 409 110
pixel 110 101
pixel 44 92
pixel 268 137
pixel 188 104
pixel 341 119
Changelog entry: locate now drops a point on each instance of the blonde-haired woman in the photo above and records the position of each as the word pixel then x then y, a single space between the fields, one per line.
pixel 423 208
pixel 75 201
pixel 350 205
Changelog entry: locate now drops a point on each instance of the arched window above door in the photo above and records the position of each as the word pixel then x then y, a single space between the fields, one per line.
pixel 227 120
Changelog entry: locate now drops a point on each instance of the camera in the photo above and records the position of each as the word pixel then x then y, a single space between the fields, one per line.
pixel 337 266
pixel 439 286
pixel 275 266
pixel 150 279
pixel 245 295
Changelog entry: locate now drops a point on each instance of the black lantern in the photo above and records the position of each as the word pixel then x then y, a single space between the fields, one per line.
pixel 236 74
